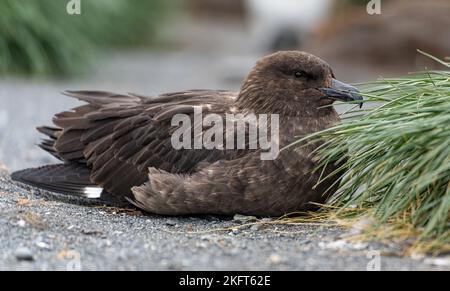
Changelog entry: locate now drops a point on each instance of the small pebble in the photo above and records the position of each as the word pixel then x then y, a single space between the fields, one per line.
pixel 91 232
pixel 234 232
pixel 24 254
pixel 170 223
pixel 275 259
pixel 206 237
pixel 244 219
pixel 256 227
pixel 21 223
pixel 305 242
pixel 108 243
pixel 43 245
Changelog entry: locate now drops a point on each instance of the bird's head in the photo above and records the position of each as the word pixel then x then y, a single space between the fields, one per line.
pixel 295 83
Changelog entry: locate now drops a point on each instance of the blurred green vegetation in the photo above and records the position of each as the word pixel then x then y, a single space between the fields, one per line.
pixel 39 37
pixel 359 2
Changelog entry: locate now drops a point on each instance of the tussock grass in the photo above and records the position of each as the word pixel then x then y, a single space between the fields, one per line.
pixel 39 38
pixel 396 160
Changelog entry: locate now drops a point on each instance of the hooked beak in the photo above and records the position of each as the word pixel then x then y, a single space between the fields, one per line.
pixel 343 92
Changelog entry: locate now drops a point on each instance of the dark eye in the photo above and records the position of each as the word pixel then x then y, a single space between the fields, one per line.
pixel 299 74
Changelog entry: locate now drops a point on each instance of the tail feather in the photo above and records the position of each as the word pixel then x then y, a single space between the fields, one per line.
pixel 71 179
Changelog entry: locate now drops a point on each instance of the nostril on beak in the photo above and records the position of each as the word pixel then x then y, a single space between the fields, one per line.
pixel 343 92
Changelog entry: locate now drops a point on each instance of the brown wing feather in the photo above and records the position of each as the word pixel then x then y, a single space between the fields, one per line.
pixel 118 137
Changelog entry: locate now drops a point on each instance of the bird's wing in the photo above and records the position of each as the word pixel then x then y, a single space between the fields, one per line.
pixel 118 137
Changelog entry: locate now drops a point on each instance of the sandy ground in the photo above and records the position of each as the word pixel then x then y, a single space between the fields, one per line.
pixel 43 231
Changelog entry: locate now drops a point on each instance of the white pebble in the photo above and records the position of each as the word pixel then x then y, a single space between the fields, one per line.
pixel 21 223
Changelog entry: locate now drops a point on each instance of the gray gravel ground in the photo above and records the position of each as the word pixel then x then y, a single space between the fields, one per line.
pixel 44 231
